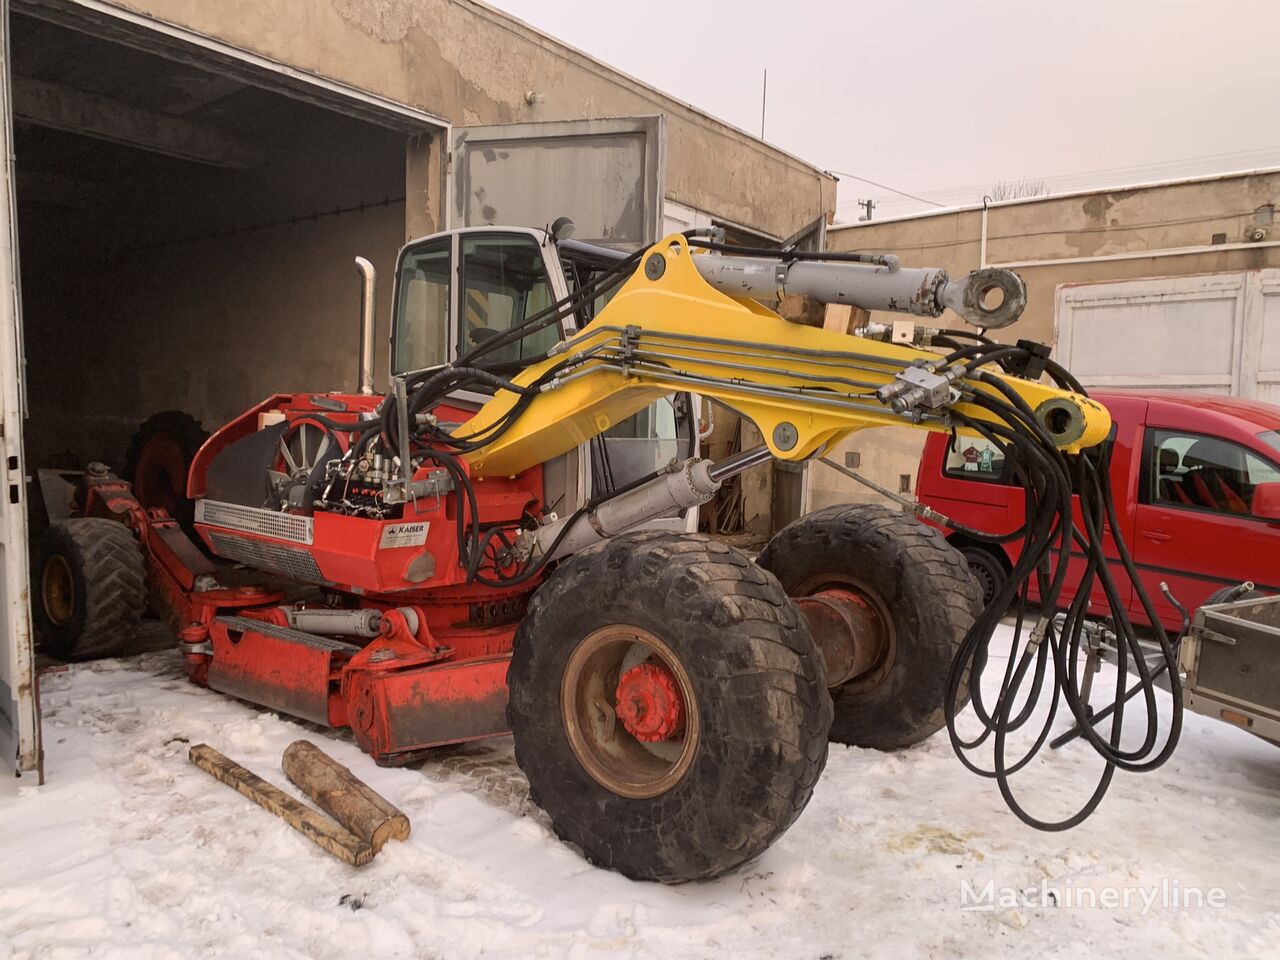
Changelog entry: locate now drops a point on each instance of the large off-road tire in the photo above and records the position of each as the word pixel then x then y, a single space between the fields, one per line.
pixel 89 589
pixel 919 598
pixel 681 619
pixel 159 461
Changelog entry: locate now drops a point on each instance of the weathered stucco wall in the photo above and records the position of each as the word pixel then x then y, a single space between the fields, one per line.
pixel 1190 214
pixel 1090 225
pixel 470 64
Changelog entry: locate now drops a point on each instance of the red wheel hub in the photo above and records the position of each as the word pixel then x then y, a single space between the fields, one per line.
pixel 649 704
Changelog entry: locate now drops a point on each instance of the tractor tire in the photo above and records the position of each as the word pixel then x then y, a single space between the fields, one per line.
pixel 736 762
pixel 988 570
pixel 924 600
pixel 159 461
pixel 92 589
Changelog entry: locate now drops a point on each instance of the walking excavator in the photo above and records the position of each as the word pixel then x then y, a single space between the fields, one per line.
pixel 442 564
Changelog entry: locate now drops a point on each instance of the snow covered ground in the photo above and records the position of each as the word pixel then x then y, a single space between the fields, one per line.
pixel 129 851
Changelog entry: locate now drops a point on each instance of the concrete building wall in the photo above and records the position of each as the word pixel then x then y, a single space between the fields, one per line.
pixel 1071 233
pixel 469 64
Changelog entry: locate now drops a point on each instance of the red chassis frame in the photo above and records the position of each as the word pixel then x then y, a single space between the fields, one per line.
pixel 437 671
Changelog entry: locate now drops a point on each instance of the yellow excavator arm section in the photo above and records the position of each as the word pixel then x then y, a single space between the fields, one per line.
pixel 667 330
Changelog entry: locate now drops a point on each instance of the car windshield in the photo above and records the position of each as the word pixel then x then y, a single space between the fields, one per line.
pixel 1272 439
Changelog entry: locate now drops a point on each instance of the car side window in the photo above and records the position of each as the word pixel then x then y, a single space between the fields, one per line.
pixel 1198 472
pixel 975 458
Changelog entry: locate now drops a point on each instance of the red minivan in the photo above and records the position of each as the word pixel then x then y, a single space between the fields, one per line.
pixel 1197 485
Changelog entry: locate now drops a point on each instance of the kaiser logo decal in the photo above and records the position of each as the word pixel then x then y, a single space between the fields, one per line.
pixel 404 535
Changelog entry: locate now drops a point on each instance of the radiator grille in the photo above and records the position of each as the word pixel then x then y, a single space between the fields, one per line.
pixel 266 523
pixel 273 557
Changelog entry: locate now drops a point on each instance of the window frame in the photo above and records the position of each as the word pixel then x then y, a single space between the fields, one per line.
pixel 1145 495
pixel 397 312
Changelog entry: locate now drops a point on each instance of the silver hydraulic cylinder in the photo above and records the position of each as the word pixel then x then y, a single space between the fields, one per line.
pixel 993 297
pixel 684 484
pixel 355 623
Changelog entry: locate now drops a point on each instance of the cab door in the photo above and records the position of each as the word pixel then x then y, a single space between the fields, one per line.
pixel 1194 528
pixel 19 720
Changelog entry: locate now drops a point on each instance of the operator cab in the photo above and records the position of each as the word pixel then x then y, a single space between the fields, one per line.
pixel 455 290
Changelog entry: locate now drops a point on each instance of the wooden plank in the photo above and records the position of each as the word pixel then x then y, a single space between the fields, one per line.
pixel 353 803
pixel 317 828
pixel 92 115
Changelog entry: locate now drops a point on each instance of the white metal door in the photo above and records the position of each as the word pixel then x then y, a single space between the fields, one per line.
pixel 604 175
pixel 1210 333
pixel 19 720
pixel 1262 346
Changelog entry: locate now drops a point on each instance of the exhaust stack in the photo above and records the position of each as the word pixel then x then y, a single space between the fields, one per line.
pixel 369 278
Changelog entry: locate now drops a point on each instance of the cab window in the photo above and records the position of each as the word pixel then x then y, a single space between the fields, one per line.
pixel 422 307
pixel 504 282
pixel 1199 472
pixel 975 458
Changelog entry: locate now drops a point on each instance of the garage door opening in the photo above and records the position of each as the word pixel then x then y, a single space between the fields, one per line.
pixel 186 240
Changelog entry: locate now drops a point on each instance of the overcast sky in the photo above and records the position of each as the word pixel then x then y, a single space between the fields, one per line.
pixel 944 98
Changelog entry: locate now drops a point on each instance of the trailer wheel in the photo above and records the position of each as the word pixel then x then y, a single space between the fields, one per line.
pixel 92 585
pixel 888 601
pixel 159 460
pixel 668 706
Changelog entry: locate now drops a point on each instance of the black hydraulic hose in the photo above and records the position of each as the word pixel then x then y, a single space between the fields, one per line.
pixel 967 335
pixel 1050 481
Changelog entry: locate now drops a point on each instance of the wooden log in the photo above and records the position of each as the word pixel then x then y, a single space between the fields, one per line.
pixel 336 790
pixel 317 828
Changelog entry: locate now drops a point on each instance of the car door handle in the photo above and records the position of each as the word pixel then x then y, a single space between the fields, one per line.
pixel 1159 536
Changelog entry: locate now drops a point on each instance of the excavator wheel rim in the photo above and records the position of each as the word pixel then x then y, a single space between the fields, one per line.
pixel 58 590
pixel 599 739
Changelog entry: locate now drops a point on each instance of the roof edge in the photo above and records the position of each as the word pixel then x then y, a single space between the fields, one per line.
pixel 1147 185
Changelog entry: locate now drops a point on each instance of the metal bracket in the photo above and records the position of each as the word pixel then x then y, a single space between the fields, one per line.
pixel 917 386
pixel 436 483
pixel 1204 633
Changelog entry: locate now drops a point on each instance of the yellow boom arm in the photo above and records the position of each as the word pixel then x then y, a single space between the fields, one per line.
pixel 805 388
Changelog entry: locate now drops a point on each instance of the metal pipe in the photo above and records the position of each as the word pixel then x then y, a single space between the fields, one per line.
pixel 406 441
pixel 368 292
pixel 738 463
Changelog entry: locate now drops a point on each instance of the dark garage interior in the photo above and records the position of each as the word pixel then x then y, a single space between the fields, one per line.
pixel 186 240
